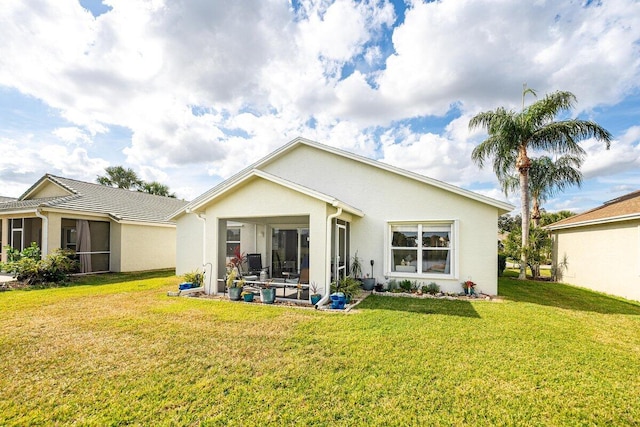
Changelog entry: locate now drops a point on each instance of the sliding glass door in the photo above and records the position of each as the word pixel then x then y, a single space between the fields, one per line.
pixel 289 251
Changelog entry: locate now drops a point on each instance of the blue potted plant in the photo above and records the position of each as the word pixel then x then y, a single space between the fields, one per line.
pixel 247 296
pixel 314 296
pixel 267 293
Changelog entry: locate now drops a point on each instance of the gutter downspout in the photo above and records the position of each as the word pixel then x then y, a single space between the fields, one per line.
pixel 44 249
pixel 202 217
pixel 325 298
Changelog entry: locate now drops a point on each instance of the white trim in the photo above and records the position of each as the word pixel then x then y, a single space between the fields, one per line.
pixel 237 180
pixel 453 250
pixel 40 183
pixel 44 239
pixel 221 187
pixel 598 221
pixel 375 163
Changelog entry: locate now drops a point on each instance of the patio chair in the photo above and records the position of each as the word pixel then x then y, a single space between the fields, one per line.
pixel 254 262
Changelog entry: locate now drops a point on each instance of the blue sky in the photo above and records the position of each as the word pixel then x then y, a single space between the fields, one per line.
pixel 189 92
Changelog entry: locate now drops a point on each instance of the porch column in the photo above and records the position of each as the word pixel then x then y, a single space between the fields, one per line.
pixel 319 264
pixel 5 237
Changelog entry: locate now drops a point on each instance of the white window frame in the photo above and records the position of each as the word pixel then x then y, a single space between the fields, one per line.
pixel 453 248
pixel 236 242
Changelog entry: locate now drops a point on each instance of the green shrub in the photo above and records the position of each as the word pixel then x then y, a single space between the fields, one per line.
pixel 406 285
pixel 349 286
pixel 432 288
pixel 57 266
pixel 32 252
pixel 502 263
pixel 194 277
pixel 392 285
pixel 27 266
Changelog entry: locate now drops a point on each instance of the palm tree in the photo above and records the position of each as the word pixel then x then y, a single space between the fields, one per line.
pixel 546 178
pixel 513 134
pixel 156 188
pixel 117 176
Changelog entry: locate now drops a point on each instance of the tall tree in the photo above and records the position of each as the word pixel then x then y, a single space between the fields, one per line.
pixel 512 134
pixel 547 178
pixel 117 176
pixel 156 188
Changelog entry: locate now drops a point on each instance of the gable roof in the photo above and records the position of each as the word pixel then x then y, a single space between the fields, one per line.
pixel 233 182
pixel 623 208
pixel 119 204
pixel 503 207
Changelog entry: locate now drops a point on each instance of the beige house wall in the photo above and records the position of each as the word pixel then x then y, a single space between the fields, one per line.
pixel 385 197
pixel 605 258
pixel 144 247
pixel 133 247
pixel 49 190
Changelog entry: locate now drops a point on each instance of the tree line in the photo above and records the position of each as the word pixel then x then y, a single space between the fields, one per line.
pixel 118 176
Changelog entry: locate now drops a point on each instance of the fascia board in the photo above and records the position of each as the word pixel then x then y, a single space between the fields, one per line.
pixel 599 221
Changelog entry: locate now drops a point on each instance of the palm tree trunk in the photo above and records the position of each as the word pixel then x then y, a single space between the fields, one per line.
pixel 523 163
pixel 524 200
pixel 535 212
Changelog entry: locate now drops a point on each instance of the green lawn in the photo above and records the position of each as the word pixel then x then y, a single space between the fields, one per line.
pixel 118 351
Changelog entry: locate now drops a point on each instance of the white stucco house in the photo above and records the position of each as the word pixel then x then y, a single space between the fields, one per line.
pixel 602 247
pixel 110 229
pixel 308 205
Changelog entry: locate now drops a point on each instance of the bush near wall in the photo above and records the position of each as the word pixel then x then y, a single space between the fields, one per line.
pixel 502 264
pixel 28 266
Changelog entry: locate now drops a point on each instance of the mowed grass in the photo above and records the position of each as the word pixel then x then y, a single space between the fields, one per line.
pixel 118 351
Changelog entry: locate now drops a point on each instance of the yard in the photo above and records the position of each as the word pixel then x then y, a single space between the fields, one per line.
pixel 118 351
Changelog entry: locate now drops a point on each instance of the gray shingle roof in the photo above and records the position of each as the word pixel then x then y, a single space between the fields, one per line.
pixel 4 199
pixel 95 198
pixel 623 207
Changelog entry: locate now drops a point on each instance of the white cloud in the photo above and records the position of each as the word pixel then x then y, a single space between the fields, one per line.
pixel 72 135
pixel 262 73
pixel 24 161
pixel 623 155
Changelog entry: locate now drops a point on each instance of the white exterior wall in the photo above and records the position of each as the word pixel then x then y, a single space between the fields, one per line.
pixel 605 258
pixel 189 244
pixel 258 199
pixel 386 196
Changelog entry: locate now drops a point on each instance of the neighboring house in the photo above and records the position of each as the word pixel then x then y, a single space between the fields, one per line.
pixel 111 229
pixel 3 199
pixel 601 247
pixel 308 205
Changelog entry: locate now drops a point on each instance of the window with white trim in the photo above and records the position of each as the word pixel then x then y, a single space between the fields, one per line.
pixel 421 248
pixel 233 241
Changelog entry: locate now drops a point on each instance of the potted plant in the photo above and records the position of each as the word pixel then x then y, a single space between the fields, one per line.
pixel 238 259
pixel 356 267
pixel 194 278
pixel 314 296
pixel 369 282
pixel 234 286
pixel 349 286
pixel 267 293
pixel 469 287
pixel 247 296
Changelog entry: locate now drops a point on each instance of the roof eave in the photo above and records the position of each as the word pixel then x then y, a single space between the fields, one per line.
pixel 503 207
pixel 598 221
pixel 237 180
